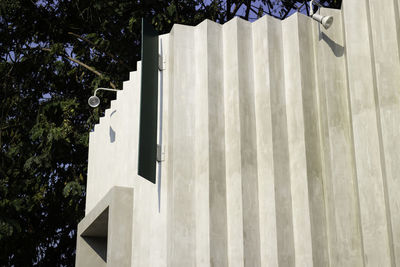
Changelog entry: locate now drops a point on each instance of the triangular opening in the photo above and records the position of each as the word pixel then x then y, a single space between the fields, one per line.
pixel 96 235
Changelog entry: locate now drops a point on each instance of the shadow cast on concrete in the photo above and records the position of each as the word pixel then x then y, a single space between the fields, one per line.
pixel 112 135
pixel 98 244
pixel 112 132
pixel 160 140
pixel 337 49
pixel 96 235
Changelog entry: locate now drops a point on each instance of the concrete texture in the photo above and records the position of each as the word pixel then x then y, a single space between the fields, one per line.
pixel 105 234
pixel 282 146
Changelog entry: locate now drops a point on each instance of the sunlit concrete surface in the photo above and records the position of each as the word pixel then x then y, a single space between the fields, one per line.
pixel 281 142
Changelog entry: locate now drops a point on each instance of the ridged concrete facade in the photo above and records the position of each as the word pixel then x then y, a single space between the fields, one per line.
pixel 281 142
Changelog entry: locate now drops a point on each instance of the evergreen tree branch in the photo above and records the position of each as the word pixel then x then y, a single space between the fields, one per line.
pixel 83 65
pixel 286 14
pixel 228 9
pixel 204 6
pixel 248 5
pixel 98 48
pixel 253 8
pixel 237 7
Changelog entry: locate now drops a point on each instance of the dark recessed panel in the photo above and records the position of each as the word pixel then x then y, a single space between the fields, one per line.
pixel 148 104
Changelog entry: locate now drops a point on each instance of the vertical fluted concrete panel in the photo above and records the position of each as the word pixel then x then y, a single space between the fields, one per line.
pixel 263 34
pixel 283 197
pixel 296 140
pixel 218 247
pixel 387 95
pixel 397 17
pixel 169 81
pixel 341 198
pixel 233 167
pixel 248 141
pixel 316 189
pixel 183 218
pixel 202 169
pixel 281 142
pixel 365 119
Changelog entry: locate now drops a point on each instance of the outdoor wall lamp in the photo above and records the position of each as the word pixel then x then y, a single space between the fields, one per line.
pixel 94 101
pixel 326 21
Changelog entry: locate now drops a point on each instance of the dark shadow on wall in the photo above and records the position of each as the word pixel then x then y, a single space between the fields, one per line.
pixel 337 49
pixel 96 235
pixel 98 244
pixel 112 135
pixel 112 132
pixel 160 140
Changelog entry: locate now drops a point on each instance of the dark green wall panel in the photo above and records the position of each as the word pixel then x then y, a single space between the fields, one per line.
pixel 148 104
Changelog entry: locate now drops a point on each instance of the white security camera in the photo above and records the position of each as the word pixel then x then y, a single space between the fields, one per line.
pixel 94 101
pixel 326 21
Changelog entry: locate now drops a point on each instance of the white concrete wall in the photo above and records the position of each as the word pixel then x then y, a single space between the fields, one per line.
pixel 282 144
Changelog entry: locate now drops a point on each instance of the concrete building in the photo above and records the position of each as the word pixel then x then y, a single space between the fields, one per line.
pixel 281 147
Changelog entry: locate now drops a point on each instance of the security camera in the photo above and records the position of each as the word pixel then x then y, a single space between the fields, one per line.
pixel 326 21
pixel 94 101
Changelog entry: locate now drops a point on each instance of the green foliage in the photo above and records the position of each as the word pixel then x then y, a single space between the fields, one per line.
pixel 52 56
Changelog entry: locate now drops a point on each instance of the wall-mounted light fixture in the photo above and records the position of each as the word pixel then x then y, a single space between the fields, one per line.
pixel 94 101
pixel 326 21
